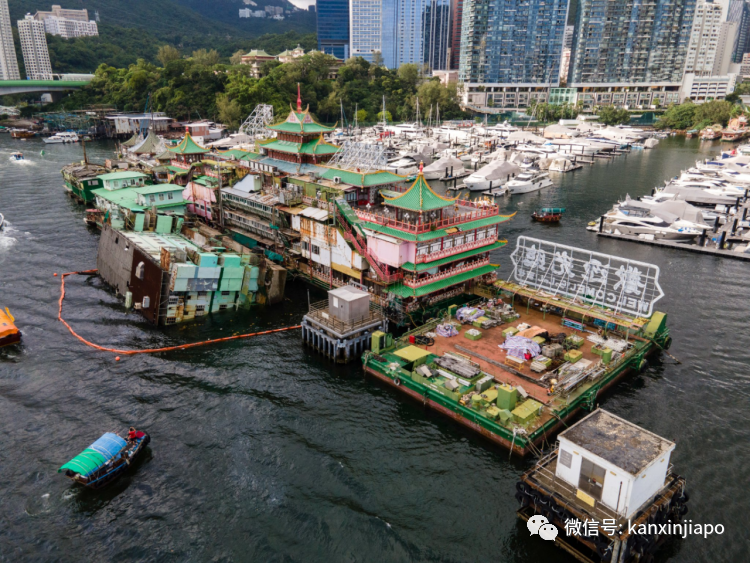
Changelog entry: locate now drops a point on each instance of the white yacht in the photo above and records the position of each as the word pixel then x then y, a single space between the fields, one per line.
pixel 529 181
pixel 636 221
pixel 64 137
pixel 445 167
pixel 404 166
pixel 494 175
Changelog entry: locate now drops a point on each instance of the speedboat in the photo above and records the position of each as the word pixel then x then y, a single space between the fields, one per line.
pixel 529 181
pixel 64 137
pixel 9 333
pixel 637 221
pixel 16 156
pixel 105 460
pixel 403 166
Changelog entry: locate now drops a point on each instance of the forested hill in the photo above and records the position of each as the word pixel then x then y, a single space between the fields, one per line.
pixel 135 29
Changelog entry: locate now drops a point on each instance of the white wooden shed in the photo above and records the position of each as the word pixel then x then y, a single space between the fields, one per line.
pixel 613 462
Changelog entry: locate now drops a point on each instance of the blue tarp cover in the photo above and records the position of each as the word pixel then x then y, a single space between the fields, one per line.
pixel 109 445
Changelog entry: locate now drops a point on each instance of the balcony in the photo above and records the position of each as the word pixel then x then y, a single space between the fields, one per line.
pixel 463 212
pixel 445 253
pixel 415 282
pixel 180 164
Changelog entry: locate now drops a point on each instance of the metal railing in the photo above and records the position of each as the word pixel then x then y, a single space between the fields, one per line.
pixel 432 256
pixel 319 311
pixel 424 227
pixel 419 282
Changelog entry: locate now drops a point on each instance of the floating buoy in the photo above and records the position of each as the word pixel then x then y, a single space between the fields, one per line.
pixel 117 358
pixel 55 274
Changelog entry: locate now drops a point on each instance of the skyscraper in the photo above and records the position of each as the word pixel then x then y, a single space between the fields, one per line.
pixel 739 13
pixel 403 31
pixel 34 47
pixel 712 39
pixel 8 61
pixel 512 41
pixel 456 17
pixel 333 27
pixel 630 41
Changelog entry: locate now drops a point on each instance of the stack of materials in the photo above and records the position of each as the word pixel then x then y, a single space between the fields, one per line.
pixel 553 351
pixel 447 330
pixel 520 346
pixel 469 314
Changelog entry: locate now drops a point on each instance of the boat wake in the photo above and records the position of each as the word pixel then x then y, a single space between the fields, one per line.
pixel 7 240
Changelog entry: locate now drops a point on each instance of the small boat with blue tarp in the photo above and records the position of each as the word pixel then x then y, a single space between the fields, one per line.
pixel 548 214
pixel 106 459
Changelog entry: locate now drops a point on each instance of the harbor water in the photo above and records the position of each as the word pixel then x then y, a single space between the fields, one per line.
pixel 263 451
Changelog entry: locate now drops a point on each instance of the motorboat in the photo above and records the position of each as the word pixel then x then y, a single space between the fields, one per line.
pixel 563 165
pixel 529 181
pixel 494 175
pixel 16 156
pixel 9 333
pixel 446 167
pixel 106 459
pixel 22 134
pixel 63 137
pixel 639 221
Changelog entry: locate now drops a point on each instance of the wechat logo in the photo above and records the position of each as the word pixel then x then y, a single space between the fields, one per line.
pixel 538 524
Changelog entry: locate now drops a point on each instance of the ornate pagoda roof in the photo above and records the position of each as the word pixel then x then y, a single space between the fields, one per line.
pixel 150 145
pixel 132 141
pixel 300 122
pixel 188 146
pixel 419 197
pixel 316 147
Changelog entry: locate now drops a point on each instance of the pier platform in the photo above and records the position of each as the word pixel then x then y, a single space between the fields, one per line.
pixel 690 247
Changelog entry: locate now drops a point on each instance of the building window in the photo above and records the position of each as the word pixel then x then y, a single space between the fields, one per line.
pixel 315 249
pixel 170 195
pixel 161 197
pixel 202 293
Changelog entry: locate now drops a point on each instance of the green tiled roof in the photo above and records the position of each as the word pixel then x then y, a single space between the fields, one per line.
pixel 131 142
pixel 300 122
pixel 251 156
pixel 177 170
pixel 236 153
pixel 403 291
pixel 430 235
pixel 207 181
pixel 158 188
pixel 258 53
pixel 126 198
pixel 362 179
pixel 455 258
pixel 318 146
pixel 124 175
pixel 188 146
pixel 420 197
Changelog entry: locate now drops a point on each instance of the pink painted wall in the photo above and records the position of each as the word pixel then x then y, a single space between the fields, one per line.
pixel 389 253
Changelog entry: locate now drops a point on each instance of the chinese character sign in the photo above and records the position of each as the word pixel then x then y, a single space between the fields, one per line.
pixel 624 285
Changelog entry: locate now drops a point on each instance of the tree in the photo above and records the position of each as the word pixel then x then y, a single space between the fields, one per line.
pixel 361 116
pixel 230 112
pixel 611 115
pixel 377 58
pixel 712 112
pixel 677 117
pixel 166 54
pixel 206 58
pixel 388 116
pixel 409 75
pixel 236 59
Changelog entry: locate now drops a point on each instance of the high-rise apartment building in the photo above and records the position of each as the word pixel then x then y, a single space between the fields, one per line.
pixel 512 41
pixel 712 39
pixel 739 13
pixel 34 47
pixel 403 31
pixel 333 27
pixel 630 42
pixel 457 8
pixel 8 61
pixel 70 28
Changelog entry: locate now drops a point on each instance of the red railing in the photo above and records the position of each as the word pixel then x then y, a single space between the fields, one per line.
pixel 432 256
pixel 419 282
pixel 421 227
pixel 180 164
pixel 361 247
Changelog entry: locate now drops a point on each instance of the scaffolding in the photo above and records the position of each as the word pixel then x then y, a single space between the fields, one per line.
pixel 256 123
pixel 360 156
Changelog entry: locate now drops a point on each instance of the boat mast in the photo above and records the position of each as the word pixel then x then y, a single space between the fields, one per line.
pixel 385 121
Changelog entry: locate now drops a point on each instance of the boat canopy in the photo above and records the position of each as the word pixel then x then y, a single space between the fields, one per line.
pixel 552 210
pixel 96 455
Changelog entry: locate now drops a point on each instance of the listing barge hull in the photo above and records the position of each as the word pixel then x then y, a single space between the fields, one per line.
pixel 498 434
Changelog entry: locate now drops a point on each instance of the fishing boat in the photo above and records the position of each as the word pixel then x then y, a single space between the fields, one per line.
pixel 105 460
pixel 9 333
pixel 548 214
pixel 21 134
pixel 16 156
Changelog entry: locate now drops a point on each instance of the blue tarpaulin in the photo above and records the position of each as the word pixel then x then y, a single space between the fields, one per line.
pixel 109 445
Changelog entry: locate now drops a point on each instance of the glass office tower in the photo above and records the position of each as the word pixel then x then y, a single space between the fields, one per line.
pixel 630 41
pixel 333 27
pixel 512 41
